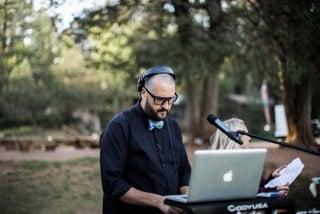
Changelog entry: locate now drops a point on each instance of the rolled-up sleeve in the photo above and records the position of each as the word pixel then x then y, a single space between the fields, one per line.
pixel 113 158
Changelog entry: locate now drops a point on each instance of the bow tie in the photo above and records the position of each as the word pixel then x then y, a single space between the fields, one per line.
pixel 155 124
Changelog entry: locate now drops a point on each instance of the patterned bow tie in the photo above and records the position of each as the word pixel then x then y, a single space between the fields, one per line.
pixel 155 124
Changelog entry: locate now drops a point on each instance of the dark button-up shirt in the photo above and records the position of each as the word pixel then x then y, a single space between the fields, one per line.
pixel 133 156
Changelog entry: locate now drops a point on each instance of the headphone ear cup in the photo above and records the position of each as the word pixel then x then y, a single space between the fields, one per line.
pixel 140 83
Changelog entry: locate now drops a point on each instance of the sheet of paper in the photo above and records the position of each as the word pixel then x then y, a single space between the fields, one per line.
pixel 270 194
pixel 287 175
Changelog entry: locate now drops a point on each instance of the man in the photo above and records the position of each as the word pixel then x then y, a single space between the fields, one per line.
pixel 142 156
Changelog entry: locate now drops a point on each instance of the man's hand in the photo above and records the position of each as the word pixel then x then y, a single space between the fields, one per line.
pixel 138 197
pixel 283 189
pixel 276 173
pixel 168 209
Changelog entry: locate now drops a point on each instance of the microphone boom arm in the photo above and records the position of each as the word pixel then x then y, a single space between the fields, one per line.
pixel 280 143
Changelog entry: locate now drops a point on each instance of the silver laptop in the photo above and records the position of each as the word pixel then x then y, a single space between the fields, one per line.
pixel 223 175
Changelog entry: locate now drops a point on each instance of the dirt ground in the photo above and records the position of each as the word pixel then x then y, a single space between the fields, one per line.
pixel 62 153
pixel 276 156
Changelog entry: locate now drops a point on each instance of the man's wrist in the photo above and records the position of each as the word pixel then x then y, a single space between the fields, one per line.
pixel 158 200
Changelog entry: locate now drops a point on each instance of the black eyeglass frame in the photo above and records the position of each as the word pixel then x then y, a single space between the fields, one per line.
pixel 157 100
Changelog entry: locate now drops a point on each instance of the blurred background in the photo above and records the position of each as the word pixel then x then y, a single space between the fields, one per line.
pixel 67 66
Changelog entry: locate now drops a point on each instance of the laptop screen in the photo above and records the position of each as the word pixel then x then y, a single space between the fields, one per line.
pixel 225 174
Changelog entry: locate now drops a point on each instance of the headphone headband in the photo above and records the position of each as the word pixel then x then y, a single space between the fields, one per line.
pixel 154 71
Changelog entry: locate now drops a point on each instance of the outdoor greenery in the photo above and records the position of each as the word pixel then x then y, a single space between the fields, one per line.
pixel 217 48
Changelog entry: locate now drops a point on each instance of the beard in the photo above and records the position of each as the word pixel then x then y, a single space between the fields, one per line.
pixel 152 113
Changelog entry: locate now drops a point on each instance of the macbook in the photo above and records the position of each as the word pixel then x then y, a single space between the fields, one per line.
pixel 223 175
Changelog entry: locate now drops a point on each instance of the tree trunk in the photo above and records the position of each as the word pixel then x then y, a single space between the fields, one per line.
pixel 297 98
pixel 202 100
pixel 192 109
pixel 202 93
pixel 209 104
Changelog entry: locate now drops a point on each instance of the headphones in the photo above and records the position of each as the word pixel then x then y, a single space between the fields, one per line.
pixel 153 71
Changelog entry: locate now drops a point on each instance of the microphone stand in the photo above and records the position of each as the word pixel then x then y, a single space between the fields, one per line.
pixel 280 143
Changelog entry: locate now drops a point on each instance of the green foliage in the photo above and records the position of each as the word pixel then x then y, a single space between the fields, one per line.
pixel 51 77
pixel 93 65
pixel 14 18
pixel 28 90
pixel 22 130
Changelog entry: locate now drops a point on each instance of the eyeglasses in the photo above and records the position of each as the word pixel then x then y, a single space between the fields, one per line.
pixel 161 100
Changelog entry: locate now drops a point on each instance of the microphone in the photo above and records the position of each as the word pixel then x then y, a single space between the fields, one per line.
pixel 220 125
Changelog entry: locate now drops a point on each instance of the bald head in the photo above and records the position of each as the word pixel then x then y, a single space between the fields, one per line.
pixel 166 80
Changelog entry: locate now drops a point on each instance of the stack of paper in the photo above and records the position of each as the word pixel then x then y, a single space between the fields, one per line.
pixel 287 175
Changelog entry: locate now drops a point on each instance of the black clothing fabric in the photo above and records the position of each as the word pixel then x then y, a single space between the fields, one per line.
pixel 132 156
pixel 264 181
